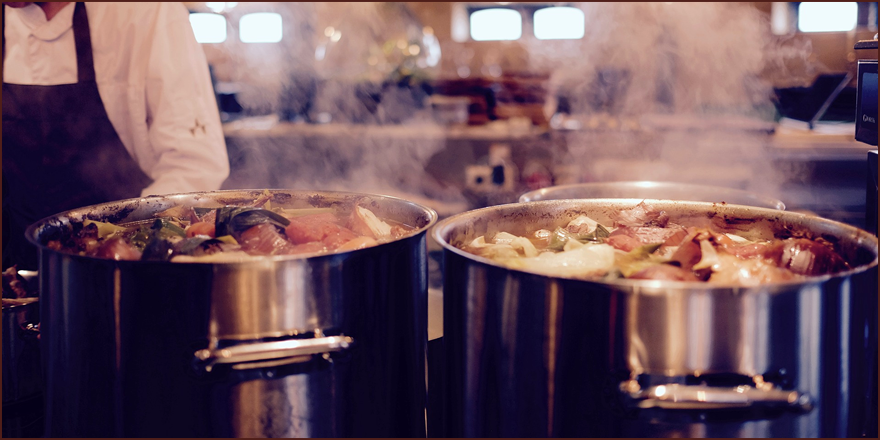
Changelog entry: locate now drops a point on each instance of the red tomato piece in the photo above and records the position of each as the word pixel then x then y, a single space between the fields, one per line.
pixel 322 228
pixel 117 248
pixel 200 228
pixel 264 239
pixel 623 242
pixel 308 228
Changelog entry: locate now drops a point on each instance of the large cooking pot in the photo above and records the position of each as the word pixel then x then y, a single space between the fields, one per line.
pixel 325 346
pixel 536 356
pixel 653 190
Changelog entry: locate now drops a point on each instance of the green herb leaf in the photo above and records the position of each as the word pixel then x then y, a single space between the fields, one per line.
pixel 637 259
pixel 558 239
pixel 237 219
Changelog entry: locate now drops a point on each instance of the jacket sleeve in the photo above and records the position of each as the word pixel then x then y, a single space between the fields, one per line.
pixel 183 122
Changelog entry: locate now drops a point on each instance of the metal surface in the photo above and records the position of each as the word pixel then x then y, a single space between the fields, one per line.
pixel 653 190
pixel 21 350
pixel 702 397
pixel 531 355
pixel 258 354
pixel 119 337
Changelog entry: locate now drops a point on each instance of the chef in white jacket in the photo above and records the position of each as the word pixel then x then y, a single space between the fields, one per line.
pixel 101 101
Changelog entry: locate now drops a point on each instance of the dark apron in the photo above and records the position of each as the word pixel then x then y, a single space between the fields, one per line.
pixel 60 151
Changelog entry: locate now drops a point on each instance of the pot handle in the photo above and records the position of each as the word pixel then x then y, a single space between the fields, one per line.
pixel 701 397
pixel 263 354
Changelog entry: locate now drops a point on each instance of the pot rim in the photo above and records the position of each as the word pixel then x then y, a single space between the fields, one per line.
pixel 12 304
pixel 129 205
pixel 720 191
pixel 863 238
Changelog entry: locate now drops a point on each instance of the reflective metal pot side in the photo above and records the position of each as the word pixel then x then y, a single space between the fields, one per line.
pixel 531 355
pixel 326 346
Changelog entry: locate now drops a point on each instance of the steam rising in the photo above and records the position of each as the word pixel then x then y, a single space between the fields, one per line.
pixel 662 91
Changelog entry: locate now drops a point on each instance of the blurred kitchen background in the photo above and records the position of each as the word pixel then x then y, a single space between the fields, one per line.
pixel 460 105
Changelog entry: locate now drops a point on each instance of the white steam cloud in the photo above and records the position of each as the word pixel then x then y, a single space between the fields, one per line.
pixel 683 93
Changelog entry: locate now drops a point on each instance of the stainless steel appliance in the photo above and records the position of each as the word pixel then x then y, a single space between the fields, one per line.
pixel 325 346
pixel 866 131
pixel 536 356
pixel 866 99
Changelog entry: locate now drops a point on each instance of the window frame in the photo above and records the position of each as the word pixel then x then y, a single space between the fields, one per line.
pixel 211 13
pixel 246 14
pixel 535 36
pixel 527 14
pixel 471 11
pixel 863 17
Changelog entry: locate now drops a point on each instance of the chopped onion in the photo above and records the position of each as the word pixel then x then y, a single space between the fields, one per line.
pixel 479 242
pixel 738 239
pixel 583 220
pixel 379 228
pixel 586 261
pixel 709 256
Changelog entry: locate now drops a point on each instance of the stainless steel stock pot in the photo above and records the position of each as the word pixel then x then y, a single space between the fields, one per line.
pixel 529 355
pixel 283 346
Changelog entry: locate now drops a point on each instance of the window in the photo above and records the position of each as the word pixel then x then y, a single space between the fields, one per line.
pixel 559 23
pixel 509 21
pixel 260 27
pixel 496 24
pixel 827 17
pixel 208 28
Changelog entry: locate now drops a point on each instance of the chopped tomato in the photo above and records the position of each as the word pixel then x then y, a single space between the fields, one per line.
pixel 318 228
pixel 117 248
pixel 200 228
pixel 309 228
pixel 622 242
pixel 264 239
pixel 338 236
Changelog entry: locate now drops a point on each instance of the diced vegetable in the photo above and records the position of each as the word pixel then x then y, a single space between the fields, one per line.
pixel 232 220
pixel 644 244
pixel 105 229
pixel 183 233
pixel 586 261
pixel 379 228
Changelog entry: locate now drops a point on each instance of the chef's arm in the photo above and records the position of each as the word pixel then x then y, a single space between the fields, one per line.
pixel 184 127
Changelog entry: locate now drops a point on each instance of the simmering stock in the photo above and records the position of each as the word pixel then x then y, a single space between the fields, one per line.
pixel 643 244
pixel 229 233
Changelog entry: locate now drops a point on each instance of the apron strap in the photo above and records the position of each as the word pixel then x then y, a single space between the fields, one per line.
pixel 85 65
pixel 3 36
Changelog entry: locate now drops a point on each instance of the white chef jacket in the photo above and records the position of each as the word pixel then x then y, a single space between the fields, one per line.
pixel 152 76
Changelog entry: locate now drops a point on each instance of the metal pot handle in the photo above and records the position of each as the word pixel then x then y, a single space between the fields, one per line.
pixel 261 354
pixel 700 397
